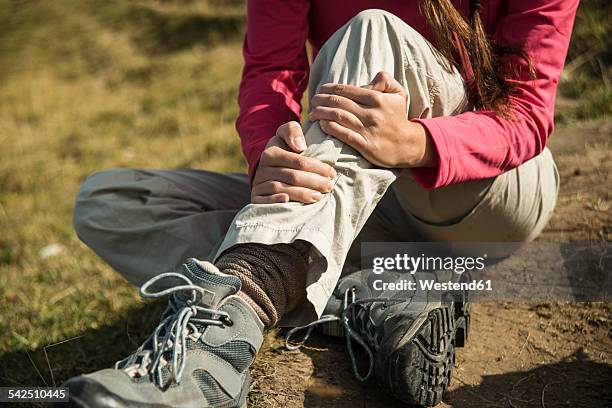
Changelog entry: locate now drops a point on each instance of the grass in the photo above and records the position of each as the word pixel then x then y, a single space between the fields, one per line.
pixel 89 85
pixel 586 79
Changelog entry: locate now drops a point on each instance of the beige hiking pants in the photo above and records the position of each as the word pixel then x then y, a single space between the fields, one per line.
pixel 144 222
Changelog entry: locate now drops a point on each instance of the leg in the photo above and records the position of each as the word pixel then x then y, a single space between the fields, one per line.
pixel 373 41
pixel 517 203
pixel 146 222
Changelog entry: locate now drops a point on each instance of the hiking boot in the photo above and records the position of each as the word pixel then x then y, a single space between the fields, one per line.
pixel 198 356
pixel 408 336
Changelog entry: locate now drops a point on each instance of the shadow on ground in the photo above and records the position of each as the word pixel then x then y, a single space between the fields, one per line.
pixel 573 382
pixel 88 351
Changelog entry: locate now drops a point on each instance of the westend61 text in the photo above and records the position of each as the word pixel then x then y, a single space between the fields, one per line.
pixel 431 284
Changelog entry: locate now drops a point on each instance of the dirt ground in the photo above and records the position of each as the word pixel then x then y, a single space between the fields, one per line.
pixel 518 355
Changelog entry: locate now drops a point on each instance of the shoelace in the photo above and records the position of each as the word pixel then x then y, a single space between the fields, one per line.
pixel 177 325
pixel 346 318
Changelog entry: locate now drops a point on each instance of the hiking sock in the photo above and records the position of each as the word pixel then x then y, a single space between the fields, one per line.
pixel 273 276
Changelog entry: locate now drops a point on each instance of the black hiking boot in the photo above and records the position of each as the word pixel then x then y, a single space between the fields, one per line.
pixel 409 336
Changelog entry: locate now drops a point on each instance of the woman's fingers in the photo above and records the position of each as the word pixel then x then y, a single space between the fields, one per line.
pixel 368 95
pixel 274 188
pixel 385 83
pixel 270 199
pixel 298 178
pixel 291 133
pixel 284 175
pixel 278 157
pixel 340 116
pixel 358 94
pixel 348 136
pixel 337 101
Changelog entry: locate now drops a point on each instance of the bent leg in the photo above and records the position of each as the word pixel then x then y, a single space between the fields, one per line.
pixel 146 222
pixel 373 41
pixel 512 207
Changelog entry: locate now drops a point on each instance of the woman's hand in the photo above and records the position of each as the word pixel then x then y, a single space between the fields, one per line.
pixel 372 119
pixel 283 175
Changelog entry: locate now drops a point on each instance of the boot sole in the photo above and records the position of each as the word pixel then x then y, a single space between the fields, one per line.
pixel 419 369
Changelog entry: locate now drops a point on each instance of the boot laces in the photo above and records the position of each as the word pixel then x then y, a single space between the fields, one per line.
pixel 180 322
pixel 355 331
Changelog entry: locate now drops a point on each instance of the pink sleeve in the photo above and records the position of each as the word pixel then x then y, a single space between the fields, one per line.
pixel 480 144
pixel 275 72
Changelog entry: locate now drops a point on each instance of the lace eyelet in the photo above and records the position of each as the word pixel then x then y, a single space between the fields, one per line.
pixel 227 321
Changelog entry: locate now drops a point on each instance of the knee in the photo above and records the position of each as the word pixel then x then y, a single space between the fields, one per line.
pixel 371 17
pixel 382 30
pixel 92 203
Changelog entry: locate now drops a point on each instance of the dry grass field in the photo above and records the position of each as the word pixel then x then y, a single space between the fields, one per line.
pixel 89 85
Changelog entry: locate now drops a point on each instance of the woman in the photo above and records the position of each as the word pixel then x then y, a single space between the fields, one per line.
pixel 456 97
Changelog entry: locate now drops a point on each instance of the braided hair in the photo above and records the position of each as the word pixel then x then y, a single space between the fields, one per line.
pixel 465 44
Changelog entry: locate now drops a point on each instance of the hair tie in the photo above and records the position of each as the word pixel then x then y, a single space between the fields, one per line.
pixel 474 5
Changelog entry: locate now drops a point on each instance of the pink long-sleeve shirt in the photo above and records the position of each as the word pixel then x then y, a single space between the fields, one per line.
pixel 470 146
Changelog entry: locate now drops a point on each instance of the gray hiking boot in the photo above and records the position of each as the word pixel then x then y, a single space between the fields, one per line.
pixel 198 356
pixel 407 336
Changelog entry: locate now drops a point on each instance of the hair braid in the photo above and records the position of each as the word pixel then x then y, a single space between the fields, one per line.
pixel 490 88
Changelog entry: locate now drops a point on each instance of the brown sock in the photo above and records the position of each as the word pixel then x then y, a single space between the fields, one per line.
pixel 273 276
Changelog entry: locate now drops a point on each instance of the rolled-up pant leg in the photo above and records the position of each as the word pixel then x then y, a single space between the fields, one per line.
pixel 372 41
